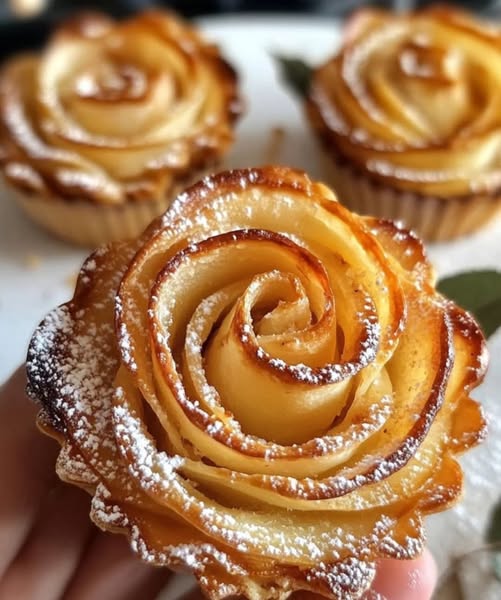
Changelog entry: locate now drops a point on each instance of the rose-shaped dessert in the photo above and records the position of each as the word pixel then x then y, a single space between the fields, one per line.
pixel 409 112
pixel 100 131
pixel 264 388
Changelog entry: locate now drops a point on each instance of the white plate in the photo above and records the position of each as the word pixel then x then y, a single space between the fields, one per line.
pixel 29 290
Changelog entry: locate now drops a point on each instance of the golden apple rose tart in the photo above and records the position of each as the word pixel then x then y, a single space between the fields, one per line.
pixel 264 388
pixel 409 113
pixel 102 130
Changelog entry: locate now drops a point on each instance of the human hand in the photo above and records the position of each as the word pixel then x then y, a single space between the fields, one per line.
pixel 50 550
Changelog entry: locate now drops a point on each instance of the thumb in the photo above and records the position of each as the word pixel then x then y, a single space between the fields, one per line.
pixel 409 579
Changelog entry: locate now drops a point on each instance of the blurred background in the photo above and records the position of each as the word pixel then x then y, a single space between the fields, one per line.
pixel 26 23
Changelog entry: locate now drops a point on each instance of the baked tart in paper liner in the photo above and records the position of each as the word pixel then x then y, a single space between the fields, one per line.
pixel 264 388
pixel 409 116
pixel 100 131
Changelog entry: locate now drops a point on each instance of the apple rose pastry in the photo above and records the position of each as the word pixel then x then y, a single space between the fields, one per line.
pixel 102 130
pixel 409 113
pixel 265 388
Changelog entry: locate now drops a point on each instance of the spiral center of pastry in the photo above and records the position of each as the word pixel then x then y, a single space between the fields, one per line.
pixel 260 329
pixel 111 82
pixel 420 60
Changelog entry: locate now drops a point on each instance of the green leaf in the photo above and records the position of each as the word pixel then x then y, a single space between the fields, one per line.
pixel 472 289
pixel 296 73
pixel 478 292
pixel 496 565
pixel 493 536
pixel 493 533
pixel 489 317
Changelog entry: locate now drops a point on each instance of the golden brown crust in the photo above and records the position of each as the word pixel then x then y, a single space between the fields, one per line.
pixel 411 101
pixel 199 384
pixel 112 112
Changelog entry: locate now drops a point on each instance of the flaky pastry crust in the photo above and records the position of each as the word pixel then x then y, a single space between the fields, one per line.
pixel 413 101
pixel 112 112
pixel 264 388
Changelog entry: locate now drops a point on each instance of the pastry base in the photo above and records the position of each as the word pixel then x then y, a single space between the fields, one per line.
pixel 433 219
pixel 87 224
pixel 91 225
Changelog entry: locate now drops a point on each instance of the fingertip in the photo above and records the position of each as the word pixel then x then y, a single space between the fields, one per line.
pixel 409 579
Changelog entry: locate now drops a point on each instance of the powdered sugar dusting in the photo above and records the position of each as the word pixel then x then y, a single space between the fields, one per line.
pixel 83 400
pixel 71 360
pixel 150 467
pixel 158 474
pixel 345 578
pixel 195 556
pixel 104 513
pixel 72 467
